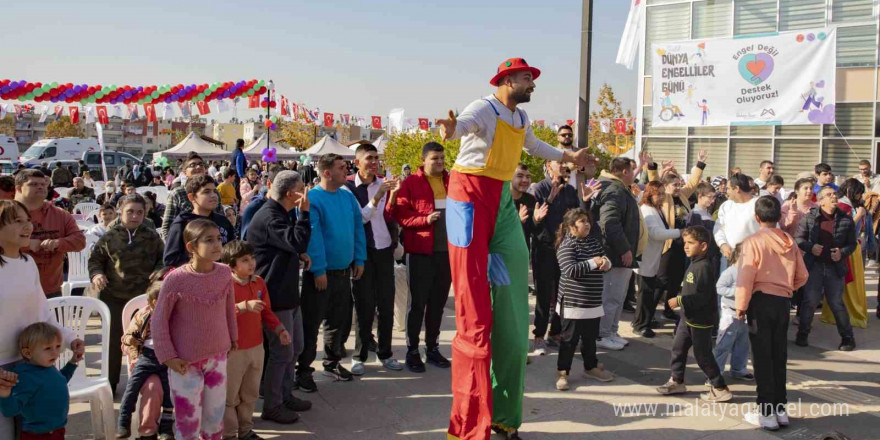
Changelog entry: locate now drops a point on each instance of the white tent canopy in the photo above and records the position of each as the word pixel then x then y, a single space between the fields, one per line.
pixel 194 143
pixel 255 149
pixel 381 143
pixel 329 145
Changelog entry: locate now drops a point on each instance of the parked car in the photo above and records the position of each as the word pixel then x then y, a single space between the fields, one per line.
pixel 112 159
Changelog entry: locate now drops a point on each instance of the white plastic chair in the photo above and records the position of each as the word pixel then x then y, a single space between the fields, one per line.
pixel 86 208
pixel 62 191
pixel 161 194
pixel 131 307
pixel 78 267
pixel 73 313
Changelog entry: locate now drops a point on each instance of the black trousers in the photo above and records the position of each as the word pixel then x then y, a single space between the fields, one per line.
pixel 330 307
pixel 768 318
pixel 146 366
pixel 573 331
pixel 545 269
pixel 701 339
pixel 115 348
pixel 375 291
pixel 650 291
pixel 673 265
pixel 429 282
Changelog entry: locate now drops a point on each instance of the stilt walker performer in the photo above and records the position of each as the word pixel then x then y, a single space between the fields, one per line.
pixel 488 255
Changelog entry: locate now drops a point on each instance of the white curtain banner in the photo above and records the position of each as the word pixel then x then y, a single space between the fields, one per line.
pixel 779 79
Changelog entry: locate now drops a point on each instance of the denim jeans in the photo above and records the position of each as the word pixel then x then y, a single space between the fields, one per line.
pixel 146 366
pixel 615 285
pixel 733 342
pixel 824 281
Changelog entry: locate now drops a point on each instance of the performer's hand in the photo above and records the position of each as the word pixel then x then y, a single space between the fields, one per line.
pixel 284 337
pixel 581 158
pixel 726 250
pixel 447 126
pixel 433 217
pixel 645 159
pixel 177 365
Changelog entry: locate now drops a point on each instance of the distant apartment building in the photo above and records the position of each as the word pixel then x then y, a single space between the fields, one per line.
pixel 856 134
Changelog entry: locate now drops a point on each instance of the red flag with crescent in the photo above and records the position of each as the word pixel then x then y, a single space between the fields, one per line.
pixel 74 114
pixel 377 122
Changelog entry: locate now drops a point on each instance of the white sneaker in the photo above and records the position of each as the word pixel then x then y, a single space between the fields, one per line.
pixel 616 338
pixel 540 347
pixel 755 417
pixel 357 367
pixel 782 418
pixel 608 344
pixel 391 364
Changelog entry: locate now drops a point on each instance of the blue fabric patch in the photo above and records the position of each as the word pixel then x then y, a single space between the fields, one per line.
pixel 498 275
pixel 459 222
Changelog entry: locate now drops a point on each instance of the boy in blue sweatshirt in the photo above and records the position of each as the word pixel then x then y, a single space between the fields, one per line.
pixel 40 396
pixel 338 250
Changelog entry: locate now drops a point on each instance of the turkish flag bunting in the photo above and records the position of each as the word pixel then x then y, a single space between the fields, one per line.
pixel 150 112
pixel 540 122
pixel 74 114
pixel 569 122
pixel 204 109
pixel 328 119
pixel 377 122
pixel 423 124
pixel 102 115
pixel 284 106
pixel 59 110
pixel 620 126
pixel 254 101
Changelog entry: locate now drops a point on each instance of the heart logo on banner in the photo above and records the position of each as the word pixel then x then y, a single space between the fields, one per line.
pixel 756 68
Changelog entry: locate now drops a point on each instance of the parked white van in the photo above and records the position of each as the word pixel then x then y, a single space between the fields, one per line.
pixel 53 150
pixel 8 149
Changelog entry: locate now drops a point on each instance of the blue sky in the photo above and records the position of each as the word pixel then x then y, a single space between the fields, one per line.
pixel 353 57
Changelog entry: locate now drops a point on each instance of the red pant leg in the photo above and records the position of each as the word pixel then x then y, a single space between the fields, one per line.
pixel 471 211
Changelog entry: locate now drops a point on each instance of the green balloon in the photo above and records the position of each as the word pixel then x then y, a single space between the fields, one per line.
pixel 83 101
pixel 22 98
pixel 54 84
pixel 155 94
pixel 250 92
pixel 46 88
pixel 37 92
pixel 99 94
pixel 260 84
pixel 92 98
pixel 113 87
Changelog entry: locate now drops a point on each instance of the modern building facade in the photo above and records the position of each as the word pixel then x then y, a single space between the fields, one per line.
pixel 856 134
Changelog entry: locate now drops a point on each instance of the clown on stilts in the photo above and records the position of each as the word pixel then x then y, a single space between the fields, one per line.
pixel 488 255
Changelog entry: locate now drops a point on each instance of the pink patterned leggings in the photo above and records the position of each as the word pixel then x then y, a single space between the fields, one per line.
pixel 200 399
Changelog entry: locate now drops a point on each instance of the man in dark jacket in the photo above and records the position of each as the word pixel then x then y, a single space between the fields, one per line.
pixel 374 291
pixel 619 223
pixel 279 245
pixel 419 206
pixel 558 197
pixel 827 236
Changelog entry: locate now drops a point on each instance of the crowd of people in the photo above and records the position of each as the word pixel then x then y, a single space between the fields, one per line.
pixel 243 266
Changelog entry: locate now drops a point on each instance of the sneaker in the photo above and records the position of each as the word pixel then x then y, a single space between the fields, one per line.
pixel 540 347
pixel 279 414
pixel 298 405
pixel 672 387
pixel 801 340
pixel 608 344
pixel 717 395
pixel 251 435
pixel 748 376
pixel 337 372
pixel 414 361
pixel 767 423
pixel 123 431
pixel 782 418
pixel 599 374
pixel 357 367
pixel 435 358
pixel 847 344
pixel 306 383
pixel 616 338
pixel 561 380
pixel 646 333
pixel 553 341
pixel 391 364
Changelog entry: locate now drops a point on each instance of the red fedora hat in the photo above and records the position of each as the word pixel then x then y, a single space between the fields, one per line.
pixel 513 65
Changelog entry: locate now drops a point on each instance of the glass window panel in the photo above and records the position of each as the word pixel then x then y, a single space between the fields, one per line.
pixel 666 23
pixel 716 164
pixel 794 156
pixel 712 19
pixel 663 149
pixel 747 154
pixel 754 17
pixel 843 11
pixel 856 46
pixel 801 14
pixel 798 130
pixel 751 130
pixel 851 120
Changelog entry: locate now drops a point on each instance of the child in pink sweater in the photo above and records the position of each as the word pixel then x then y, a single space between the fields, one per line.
pixel 194 327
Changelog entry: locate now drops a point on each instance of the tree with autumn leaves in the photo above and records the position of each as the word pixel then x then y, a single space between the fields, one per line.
pixel 62 127
pixel 609 108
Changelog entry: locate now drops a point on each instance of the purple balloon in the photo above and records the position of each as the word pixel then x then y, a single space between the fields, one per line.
pixel 69 92
pixel 22 83
pixel 53 99
pixel 167 99
pixel 140 88
pixel 174 96
pixel 127 95
pixel 4 89
pixel 13 85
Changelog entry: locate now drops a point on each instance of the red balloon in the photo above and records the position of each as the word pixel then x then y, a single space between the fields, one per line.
pixel 69 85
pixel 68 100
pixel 261 90
pixel 38 98
pixel 38 85
pixel 264 104
pixel 272 104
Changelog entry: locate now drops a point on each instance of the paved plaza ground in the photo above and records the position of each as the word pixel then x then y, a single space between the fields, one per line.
pixel 829 390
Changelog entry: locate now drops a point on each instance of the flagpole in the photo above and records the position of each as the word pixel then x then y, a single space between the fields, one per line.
pixel 269 108
pixel 584 94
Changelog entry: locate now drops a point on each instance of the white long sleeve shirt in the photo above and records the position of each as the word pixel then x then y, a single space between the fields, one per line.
pixel 476 128
pixel 23 303
pixel 736 221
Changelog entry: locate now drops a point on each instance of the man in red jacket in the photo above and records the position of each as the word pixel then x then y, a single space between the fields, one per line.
pixel 419 206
